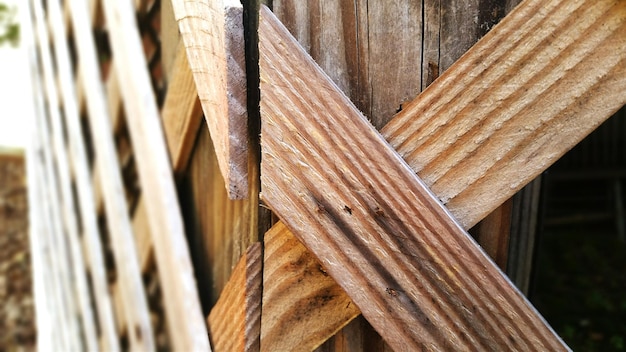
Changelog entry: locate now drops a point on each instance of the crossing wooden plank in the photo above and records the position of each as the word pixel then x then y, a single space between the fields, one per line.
pixel 302 304
pixel 376 228
pixel 592 103
pixel 234 321
pixel 525 94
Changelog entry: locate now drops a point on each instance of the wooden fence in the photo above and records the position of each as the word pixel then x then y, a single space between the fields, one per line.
pixel 151 231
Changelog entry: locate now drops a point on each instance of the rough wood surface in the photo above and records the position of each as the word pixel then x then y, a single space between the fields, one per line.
pixel 297 288
pixel 234 322
pixel 376 228
pixel 548 75
pixel 356 43
pixel 567 144
pixel 221 228
pixel 185 322
pixel 210 30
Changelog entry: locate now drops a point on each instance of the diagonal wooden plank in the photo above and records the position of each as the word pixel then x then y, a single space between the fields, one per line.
pixel 525 94
pixel 186 325
pixel 182 113
pixel 210 30
pixel 302 305
pixel 85 194
pixel 603 93
pixel 415 274
pixel 129 275
pixel 234 321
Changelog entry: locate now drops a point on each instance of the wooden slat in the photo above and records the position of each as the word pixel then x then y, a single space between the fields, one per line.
pixel 338 38
pixel 297 288
pixel 91 233
pixel 473 167
pixel 129 276
pixel 605 86
pixel 182 113
pixel 221 95
pixel 183 313
pixel 222 228
pixel 234 322
pixel 363 220
pixel 523 231
pixel 170 39
pixel 56 306
pixel 65 222
pixel 356 42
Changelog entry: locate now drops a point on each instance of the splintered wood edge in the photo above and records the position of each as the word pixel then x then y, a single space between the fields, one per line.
pixel 610 85
pixel 218 65
pixel 234 321
pixel 436 290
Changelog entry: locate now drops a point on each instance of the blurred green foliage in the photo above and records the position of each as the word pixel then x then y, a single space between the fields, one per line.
pixel 9 26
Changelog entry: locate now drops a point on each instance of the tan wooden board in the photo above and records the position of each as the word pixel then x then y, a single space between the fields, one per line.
pixel 234 322
pixel 222 92
pixel 336 208
pixel 600 89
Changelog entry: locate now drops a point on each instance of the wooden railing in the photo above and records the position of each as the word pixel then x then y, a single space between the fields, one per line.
pixel 155 234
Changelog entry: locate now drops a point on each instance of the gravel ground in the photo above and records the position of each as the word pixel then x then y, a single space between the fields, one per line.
pixel 17 315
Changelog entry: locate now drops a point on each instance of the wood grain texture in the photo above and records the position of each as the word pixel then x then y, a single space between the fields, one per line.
pixel 370 49
pixel 376 228
pixel 185 322
pixel 210 30
pixel 234 322
pixel 537 95
pixel 220 228
pixel 305 25
pixel 118 221
pixel 297 288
